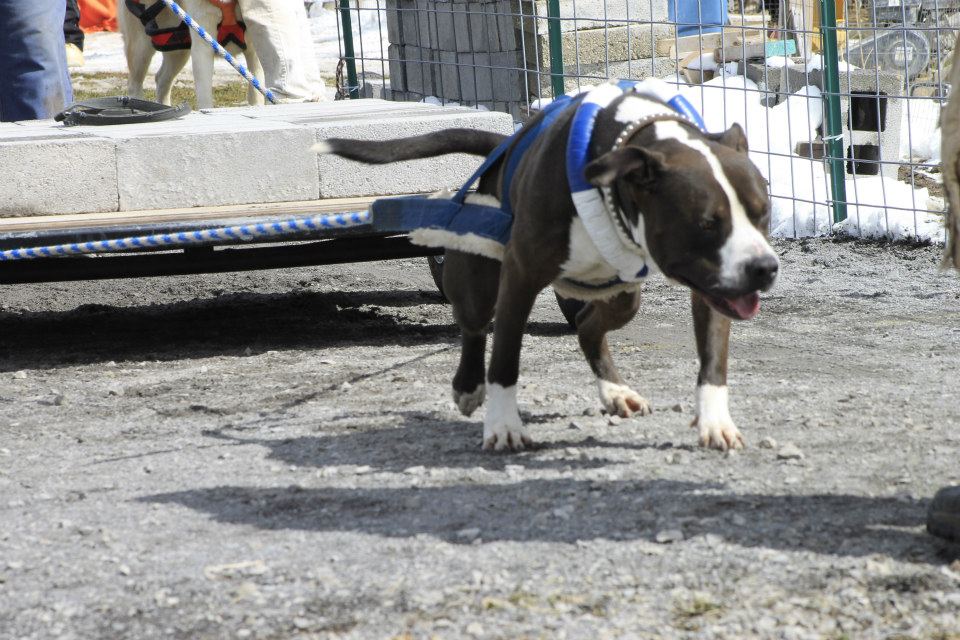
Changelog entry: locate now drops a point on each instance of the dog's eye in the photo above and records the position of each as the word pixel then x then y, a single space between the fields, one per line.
pixel 709 222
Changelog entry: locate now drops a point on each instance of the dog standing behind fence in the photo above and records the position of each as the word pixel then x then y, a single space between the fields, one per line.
pixel 173 40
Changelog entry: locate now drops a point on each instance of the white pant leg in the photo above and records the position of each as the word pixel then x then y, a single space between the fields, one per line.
pixel 280 32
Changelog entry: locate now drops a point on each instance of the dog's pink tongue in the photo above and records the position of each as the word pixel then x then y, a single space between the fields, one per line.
pixel 746 307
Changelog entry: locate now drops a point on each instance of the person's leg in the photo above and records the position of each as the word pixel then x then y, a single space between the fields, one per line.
pixel 71 25
pixel 280 32
pixel 73 35
pixel 34 82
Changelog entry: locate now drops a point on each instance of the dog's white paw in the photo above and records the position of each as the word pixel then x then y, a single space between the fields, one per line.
pixel 469 402
pixel 621 400
pixel 718 434
pixel 717 430
pixel 502 427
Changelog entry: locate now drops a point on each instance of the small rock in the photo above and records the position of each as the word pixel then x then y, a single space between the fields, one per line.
pixel 575 426
pixel 564 512
pixel 767 443
pixel 4 451
pixel 669 536
pixel 677 408
pixel 248 352
pixel 244 633
pixel 468 534
pixel 674 458
pixel 474 629
pixel 419 470
pixel 591 411
pixel 301 623
pixel 20 375
pixel 614 421
pixel 123 570
pixel 789 451
pixel 738 520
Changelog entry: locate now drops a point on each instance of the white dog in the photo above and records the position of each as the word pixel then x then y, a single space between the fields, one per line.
pixel 163 24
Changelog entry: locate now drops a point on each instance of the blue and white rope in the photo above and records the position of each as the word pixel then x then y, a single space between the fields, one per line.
pixel 243 232
pixel 242 70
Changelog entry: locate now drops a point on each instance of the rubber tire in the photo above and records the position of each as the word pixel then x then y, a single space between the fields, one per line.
pixel 436 270
pixel 570 308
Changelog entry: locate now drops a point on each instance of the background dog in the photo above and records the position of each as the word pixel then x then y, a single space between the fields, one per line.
pixel 139 51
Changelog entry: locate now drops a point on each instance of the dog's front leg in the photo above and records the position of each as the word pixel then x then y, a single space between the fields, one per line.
pixel 713 413
pixel 502 427
pixel 593 323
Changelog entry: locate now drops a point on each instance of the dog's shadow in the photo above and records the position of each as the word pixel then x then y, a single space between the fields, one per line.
pixel 563 509
pixel 569 510
pixel 455 443
pixel 232 324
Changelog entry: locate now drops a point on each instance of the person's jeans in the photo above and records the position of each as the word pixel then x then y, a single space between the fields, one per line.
pixel 281 34
pixel 34 82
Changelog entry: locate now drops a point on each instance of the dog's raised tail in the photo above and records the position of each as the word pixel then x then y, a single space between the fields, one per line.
pixel 472 141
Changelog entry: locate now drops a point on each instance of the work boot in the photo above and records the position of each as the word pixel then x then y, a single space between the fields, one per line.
pixel 943 517
pixel 74 55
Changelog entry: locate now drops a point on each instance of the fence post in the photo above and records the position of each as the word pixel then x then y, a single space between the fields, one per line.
pixel 556 47
pixel 348 54
pixel 834 122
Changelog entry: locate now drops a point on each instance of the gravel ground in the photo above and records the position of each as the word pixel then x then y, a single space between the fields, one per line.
pixel 275 455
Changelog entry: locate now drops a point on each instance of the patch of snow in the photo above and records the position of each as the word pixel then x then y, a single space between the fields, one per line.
pixel 920 130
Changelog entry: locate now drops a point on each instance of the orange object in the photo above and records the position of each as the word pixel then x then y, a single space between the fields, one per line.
pixel 98 15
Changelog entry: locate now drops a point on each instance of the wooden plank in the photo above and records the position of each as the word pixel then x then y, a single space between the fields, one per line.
pixel 153 216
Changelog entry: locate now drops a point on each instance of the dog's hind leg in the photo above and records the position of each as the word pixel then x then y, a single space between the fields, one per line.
pixel 470 282
pixel 173 63
pixel 593 323
pixel 713 412
pixel 202 56
pixel 254 97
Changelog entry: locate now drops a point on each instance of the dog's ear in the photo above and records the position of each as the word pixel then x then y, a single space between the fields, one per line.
pixel 734 137
pixel 643 164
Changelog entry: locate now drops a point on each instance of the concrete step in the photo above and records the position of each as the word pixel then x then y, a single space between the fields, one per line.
pixel 224 157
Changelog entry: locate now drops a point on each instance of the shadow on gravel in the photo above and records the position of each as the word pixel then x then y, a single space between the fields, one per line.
pixel 568 510
pixel 225 325
pixel 454 444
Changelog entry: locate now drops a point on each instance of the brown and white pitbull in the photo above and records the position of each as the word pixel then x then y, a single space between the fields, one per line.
pixel 693 202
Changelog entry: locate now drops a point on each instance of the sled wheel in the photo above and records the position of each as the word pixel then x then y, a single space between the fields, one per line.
pixel 436 270
pixel 570 308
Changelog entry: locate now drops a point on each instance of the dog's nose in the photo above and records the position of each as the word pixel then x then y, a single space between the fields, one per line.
pixel 761 272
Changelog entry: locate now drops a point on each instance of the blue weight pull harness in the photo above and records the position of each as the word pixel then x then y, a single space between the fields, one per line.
pixel 467 222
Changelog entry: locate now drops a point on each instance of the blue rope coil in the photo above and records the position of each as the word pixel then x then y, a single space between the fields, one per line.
pixel 242 70
pixel 243 232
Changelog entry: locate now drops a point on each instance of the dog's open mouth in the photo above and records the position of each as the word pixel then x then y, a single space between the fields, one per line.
pixel 742 307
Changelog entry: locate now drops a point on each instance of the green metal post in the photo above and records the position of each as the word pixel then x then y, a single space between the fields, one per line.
pixel 834 121
pixel 348 54
pixel 556 47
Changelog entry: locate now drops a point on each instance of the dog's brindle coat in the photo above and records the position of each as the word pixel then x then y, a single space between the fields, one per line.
pixel 694 201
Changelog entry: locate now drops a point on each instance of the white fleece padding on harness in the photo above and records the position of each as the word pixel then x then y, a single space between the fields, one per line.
pixel 468 242
pixel 621 252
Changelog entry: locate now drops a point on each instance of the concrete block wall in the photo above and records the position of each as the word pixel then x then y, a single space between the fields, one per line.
pixel 871 119
pixel 496 53
pixel 223 157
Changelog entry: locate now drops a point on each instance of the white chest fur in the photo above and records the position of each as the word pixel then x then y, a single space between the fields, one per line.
pixel 585 264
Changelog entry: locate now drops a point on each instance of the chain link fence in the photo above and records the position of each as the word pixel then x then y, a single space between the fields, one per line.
pixel 840 99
